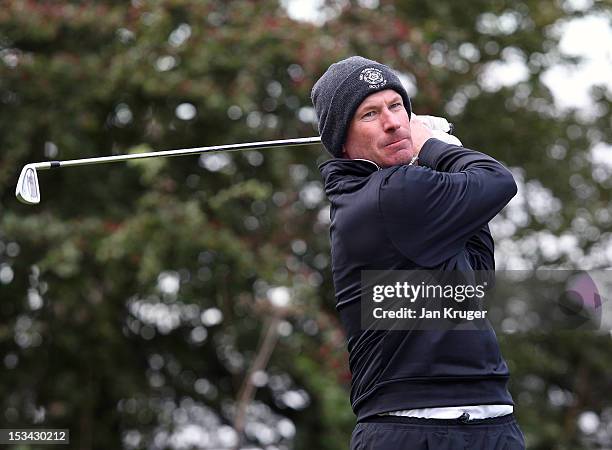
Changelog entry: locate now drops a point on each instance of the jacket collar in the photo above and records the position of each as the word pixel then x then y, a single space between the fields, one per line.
pixel 367 160
pixel 343 175
pixel 355 166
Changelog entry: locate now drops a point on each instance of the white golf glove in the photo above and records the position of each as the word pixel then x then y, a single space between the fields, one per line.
pixel 439 127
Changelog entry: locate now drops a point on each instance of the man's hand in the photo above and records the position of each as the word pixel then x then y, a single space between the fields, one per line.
pixel 420 134
pixel 440 129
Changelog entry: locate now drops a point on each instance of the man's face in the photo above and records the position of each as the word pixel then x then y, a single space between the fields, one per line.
pixel 380 131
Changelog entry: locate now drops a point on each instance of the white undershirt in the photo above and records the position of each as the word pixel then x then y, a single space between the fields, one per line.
pixel 453 412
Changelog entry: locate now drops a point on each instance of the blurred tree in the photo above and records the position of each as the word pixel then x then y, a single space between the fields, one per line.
pixel 134 296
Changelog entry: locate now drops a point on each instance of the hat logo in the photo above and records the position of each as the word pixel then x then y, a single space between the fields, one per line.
pixel 374 77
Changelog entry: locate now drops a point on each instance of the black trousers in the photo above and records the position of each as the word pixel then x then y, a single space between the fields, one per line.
pixel 408 433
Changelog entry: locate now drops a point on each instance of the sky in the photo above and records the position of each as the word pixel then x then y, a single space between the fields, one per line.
pixel 591 38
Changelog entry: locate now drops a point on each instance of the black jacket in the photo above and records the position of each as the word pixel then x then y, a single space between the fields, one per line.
pixel 431 216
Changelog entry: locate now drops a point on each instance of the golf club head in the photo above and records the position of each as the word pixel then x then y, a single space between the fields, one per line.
pixel 27 187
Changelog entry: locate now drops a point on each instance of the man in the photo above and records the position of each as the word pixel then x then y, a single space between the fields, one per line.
pixel 404 200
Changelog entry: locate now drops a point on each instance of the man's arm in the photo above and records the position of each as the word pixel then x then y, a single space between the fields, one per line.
pixel 480 248
pixel 432 212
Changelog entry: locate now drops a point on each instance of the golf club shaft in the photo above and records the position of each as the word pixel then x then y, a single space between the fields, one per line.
pixel 178 152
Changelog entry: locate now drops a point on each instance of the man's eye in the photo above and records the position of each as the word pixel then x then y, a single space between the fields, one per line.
pixel 369 114
pixel 396 105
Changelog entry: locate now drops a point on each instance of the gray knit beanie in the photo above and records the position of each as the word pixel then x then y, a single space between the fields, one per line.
pixel 339 92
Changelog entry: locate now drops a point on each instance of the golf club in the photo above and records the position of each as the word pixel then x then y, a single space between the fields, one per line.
pixel 28 189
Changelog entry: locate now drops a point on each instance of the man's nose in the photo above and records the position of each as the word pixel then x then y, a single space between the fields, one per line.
pixel 390 121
